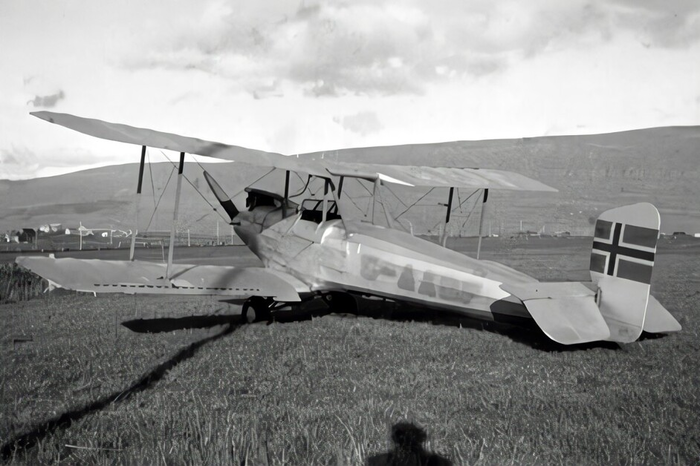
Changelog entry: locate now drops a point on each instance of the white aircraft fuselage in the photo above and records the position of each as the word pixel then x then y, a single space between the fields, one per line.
pixel 373 260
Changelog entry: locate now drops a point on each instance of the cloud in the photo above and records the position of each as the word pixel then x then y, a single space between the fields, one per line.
pixel 324 50
pixel 16 162
pixel 362 123
pixel 6 157
pixel 672 24
pixel 380 48
pixel 47 101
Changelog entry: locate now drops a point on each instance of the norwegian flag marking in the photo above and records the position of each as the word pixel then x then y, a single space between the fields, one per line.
pixel 624 251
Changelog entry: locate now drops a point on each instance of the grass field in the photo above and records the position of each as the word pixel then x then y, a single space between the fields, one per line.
pixel 80 387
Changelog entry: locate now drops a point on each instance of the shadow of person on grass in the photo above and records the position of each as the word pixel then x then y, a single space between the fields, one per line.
pixel 408 449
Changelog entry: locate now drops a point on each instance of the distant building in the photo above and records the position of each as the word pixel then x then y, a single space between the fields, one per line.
pixel 27 235
pixel 50 228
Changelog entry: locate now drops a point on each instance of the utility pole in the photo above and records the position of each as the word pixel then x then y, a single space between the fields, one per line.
pixel 217 232
pixel 188 238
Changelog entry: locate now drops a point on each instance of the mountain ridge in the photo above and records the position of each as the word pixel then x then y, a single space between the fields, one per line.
pixel 592 172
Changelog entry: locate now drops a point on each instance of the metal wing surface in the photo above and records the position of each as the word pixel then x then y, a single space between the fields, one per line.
pixel 139 277
pixel 312 163
pixel 161 140
pixel 470 178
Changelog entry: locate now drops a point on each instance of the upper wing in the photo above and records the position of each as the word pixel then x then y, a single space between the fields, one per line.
pixel 470 178
pixel 313 163
pixel 139 277
pixel 158 139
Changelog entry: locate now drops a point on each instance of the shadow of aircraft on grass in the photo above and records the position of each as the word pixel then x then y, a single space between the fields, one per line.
pixel 525 332
pixel 170 324
pixel 19 444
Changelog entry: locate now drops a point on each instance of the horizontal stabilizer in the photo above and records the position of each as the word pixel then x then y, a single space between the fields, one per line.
pixel 569 320
pixel 566 312
pixel 658 319
pixel 542 290
pixel 140 277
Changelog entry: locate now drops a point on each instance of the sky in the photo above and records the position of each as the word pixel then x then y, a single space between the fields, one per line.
pixel 301 76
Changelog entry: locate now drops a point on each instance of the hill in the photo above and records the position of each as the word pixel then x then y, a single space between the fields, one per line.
pixel 591 172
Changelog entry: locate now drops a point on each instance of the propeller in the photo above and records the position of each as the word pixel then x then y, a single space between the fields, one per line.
pixel 224 200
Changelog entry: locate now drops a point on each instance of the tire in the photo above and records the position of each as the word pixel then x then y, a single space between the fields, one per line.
pixel 256 309
pixel 340 302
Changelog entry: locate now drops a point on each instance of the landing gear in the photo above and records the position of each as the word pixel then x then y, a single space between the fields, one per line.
pixel 256 309
pixel 340 302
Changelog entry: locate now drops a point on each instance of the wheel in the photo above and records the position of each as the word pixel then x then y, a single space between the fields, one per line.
pixel 256 309
pixel 340 302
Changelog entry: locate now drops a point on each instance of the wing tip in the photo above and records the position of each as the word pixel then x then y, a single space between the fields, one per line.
pixel 43 115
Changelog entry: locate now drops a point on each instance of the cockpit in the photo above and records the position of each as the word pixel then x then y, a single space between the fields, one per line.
pixel 259 198
pixel 312 210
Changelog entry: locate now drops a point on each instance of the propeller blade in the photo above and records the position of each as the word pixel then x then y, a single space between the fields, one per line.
pixel 224 200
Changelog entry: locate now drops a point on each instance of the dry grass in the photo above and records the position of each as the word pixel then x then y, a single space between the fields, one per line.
pixel 327 391
pixel 17 284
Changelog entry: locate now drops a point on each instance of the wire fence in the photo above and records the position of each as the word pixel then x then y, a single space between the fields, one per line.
pixel 62 242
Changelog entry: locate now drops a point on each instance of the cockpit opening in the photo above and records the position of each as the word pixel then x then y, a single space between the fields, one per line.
pixel 312 210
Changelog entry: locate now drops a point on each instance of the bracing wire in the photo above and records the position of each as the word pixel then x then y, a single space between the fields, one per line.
pixel 161 197
pixel 195 159
pixel 461 203
pixel 415 203
pixel 397 197
pixel 357 206
pixel 370 198
pixel 195 188
pixel 472 209
pixel 150 171
pixel 251 184
pixel 467 198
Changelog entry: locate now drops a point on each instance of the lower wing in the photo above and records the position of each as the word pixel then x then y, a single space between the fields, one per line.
pixel 139 277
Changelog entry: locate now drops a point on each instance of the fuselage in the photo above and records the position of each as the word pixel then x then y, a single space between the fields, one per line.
pixel 373 260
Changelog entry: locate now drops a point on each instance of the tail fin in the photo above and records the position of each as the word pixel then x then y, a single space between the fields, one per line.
pixel 222 197
pixel 622 258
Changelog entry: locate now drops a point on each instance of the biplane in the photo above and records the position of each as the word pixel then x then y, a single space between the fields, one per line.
pixel 311 251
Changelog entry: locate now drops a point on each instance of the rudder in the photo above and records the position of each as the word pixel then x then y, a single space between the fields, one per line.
pixel 622 259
